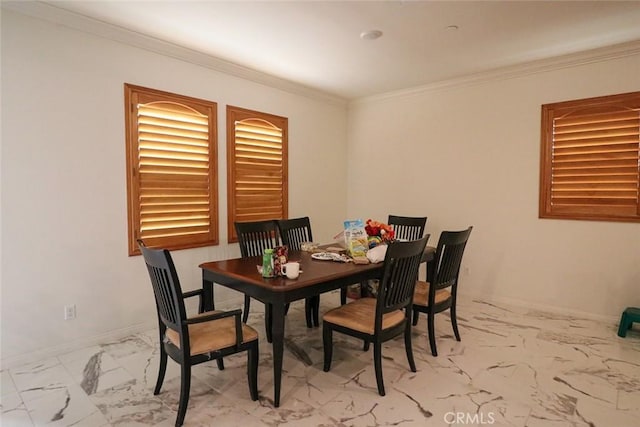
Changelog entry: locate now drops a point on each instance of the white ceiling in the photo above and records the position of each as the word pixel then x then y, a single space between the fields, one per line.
pixel 317 43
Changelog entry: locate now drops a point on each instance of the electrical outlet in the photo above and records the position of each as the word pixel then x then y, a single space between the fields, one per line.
pixel 69 312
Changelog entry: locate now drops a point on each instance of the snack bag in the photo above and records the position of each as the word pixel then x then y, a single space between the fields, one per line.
pixel 281 257
pixel 355 238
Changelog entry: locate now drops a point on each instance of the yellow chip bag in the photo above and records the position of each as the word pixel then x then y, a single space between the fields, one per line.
pixel 355 238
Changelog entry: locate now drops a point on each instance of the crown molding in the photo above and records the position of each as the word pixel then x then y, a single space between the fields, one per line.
pixel 59 16
pixel 520 70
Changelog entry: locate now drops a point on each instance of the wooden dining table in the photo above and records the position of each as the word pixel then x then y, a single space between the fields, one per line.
pixel 316 277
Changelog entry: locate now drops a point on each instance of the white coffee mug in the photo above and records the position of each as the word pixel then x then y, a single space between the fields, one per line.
pixel 291 270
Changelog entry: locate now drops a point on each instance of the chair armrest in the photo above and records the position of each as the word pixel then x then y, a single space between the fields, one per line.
pixel 196 292
pixel 221 315
pixel 213 316
pixel 193 293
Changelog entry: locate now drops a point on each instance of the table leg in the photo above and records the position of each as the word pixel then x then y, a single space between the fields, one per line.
pixel 207 303
pixel 268 321
pixel 278 349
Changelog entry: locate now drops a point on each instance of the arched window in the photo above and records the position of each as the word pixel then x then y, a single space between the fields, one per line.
pixel 171 170
pixel 257 173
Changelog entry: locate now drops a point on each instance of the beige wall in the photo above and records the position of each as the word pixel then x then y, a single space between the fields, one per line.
pixel 64 223
pixel 469 155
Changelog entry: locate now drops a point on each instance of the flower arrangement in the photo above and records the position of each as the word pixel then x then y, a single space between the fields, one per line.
pixel 378 232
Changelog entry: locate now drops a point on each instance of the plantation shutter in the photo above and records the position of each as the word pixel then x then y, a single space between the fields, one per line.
pixel 592 159
pixel 257 162
pixel 174 189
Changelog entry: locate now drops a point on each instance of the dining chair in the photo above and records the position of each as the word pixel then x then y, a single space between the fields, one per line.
pixel 197 339
pixel 407 227
pixel 441 293
pixel 254 237
pixel 376 320
pixel 294 232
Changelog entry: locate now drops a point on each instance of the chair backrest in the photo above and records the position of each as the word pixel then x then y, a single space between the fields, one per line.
pixel 399 276
pixel 166 286
pixel 407 227
pixel 448 259
pixel 295 231
pixel 255 237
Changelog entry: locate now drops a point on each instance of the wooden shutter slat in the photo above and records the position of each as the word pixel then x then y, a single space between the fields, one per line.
pixel 584 201
pixel 275 167
pixel 597 142
pixel 595 149
pixel 175 170
pixel 247 149
pixel 256 209
pixel 599 171
pixel 612 184
pixel 595 197
pixel 253 127
pixel 173 218
pixel 257 217
pixel 174 147
pixel 150 155
pixel 259 209
pixel 167 112
pixel 274 143
pixel 175 232
pixel 172 211
pixel 605 156
pixel 186 140
pixel 577 117
pixel 623 123
pixel 171 127
pixel 594 163
pixel 167 181
pixel 587 181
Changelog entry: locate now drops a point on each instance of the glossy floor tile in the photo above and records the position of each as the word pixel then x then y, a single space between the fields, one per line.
pixel 513 367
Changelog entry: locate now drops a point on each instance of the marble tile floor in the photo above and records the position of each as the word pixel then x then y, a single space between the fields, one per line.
pixel 514 367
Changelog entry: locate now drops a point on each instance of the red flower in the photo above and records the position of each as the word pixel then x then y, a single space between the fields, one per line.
pixel 379 229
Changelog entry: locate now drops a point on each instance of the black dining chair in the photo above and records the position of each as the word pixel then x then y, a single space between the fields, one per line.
pixel 254 237
pixel 409 228
pixel 441 293
pixel 376 320
pixel 197 339
pixel 294 232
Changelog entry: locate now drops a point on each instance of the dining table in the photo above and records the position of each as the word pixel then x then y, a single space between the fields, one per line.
pixel 316 277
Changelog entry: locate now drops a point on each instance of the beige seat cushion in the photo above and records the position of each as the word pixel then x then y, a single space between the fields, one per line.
pixel 360 315
pixel 213 335
pixel 421 294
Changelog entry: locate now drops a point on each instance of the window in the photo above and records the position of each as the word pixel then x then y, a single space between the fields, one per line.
pixel 256 167
pixel 171 176
pixel 590 160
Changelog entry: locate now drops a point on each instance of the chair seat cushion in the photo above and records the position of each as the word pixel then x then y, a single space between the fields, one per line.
pixel 360 315
pixel 421 294
pixel 213 335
